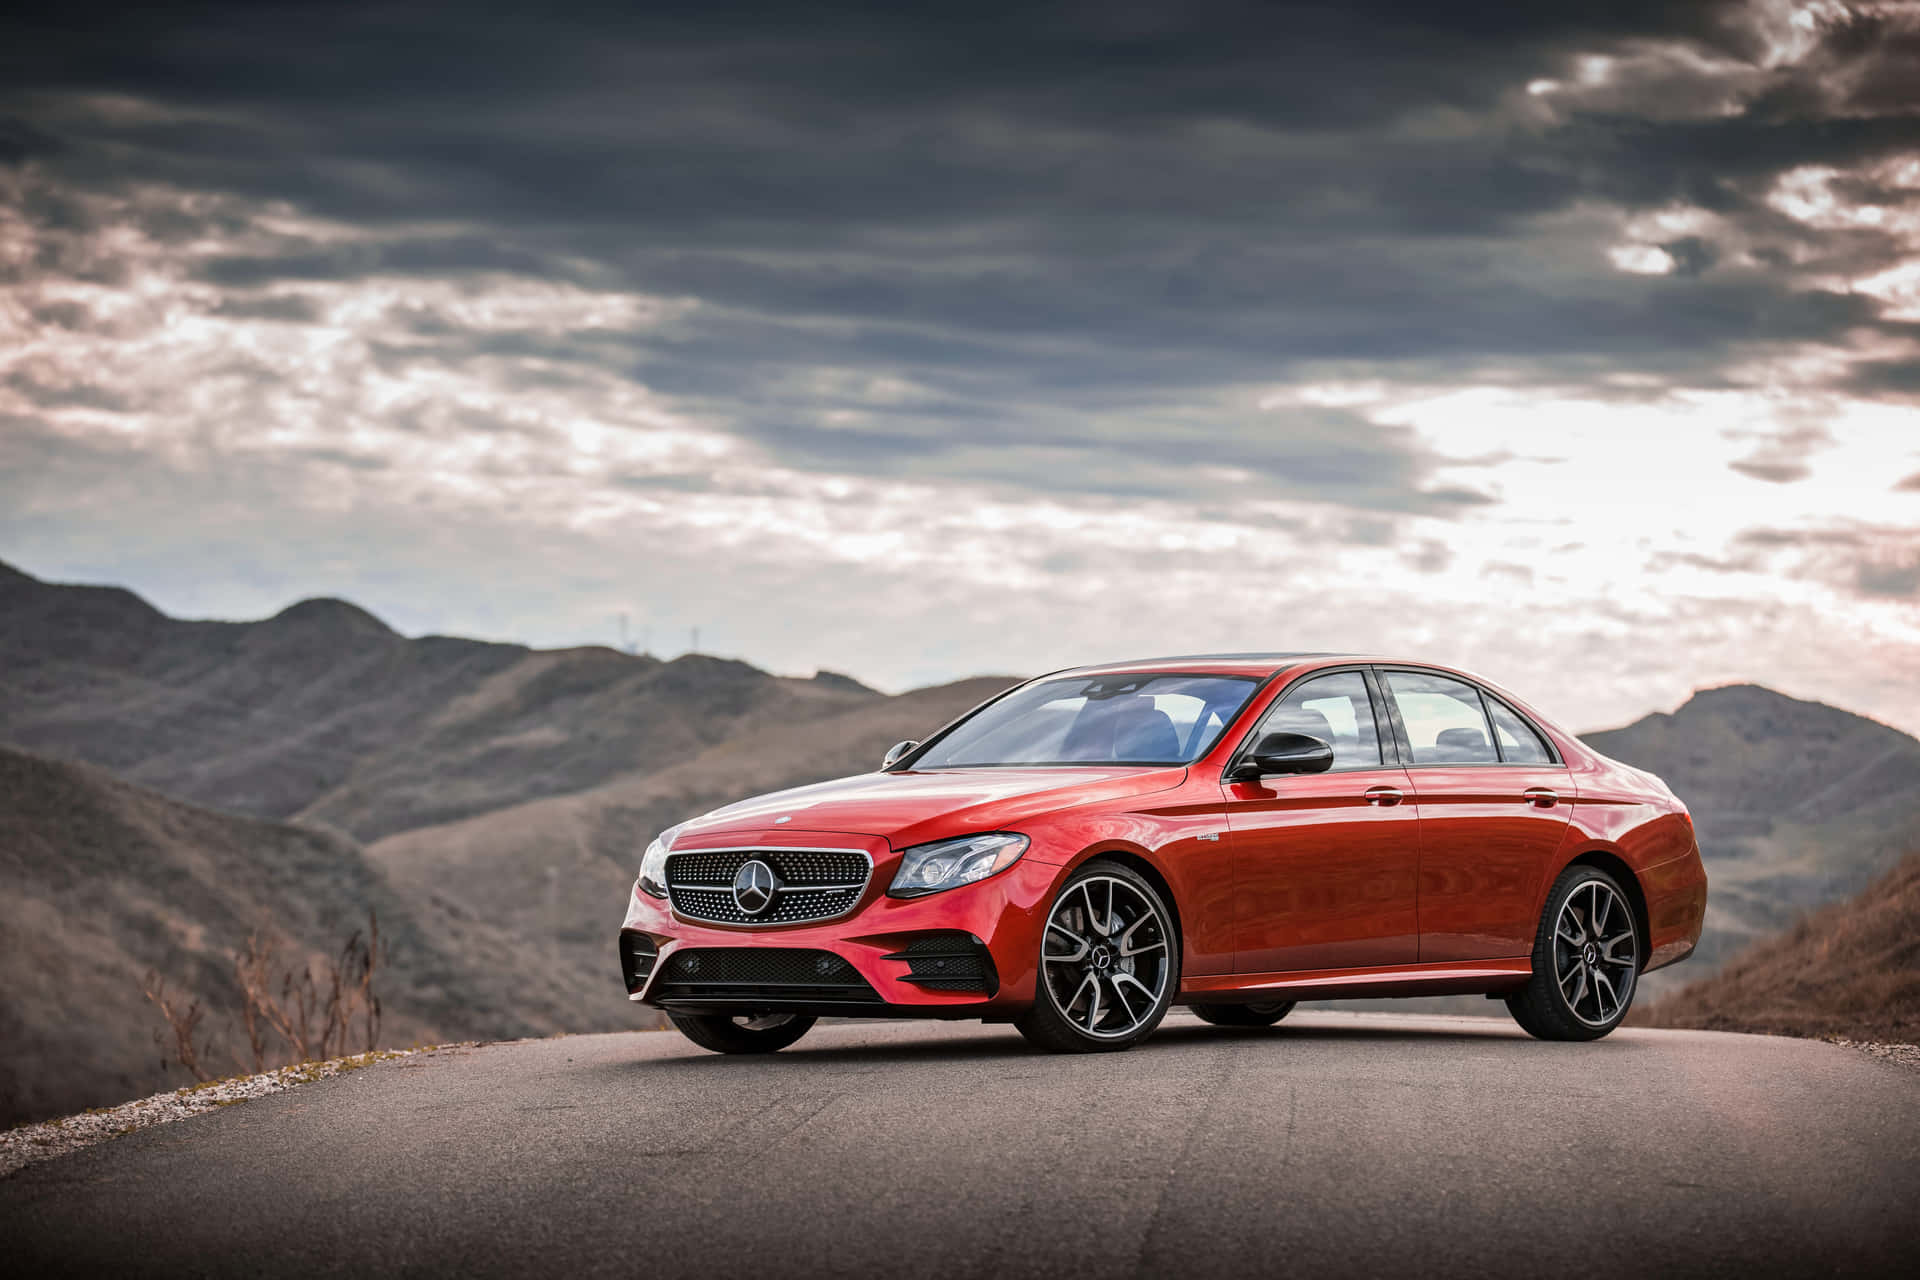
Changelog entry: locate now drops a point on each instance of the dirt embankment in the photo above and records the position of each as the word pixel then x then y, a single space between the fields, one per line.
pixel 1849 970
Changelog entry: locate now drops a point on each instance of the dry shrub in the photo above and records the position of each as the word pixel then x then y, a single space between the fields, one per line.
pixel 314 1012
pixel 182 1023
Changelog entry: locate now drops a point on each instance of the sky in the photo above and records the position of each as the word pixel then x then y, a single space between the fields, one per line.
pixel 1575 344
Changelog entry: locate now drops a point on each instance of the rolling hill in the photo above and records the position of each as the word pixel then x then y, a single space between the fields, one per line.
pixel 1850 969
pixel 105 880
pixel 514 789
pixel 324 714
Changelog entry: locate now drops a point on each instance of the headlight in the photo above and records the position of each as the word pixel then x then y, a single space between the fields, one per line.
pixel 948 864
pixel 653 865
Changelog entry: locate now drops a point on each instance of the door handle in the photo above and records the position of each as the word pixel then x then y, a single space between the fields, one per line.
pixel 1541 797
pixel 1384 796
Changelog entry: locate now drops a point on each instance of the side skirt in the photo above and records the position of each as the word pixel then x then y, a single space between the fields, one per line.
pixel 1469 977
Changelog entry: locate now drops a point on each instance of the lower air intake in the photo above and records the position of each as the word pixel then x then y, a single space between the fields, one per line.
pixel 949 962
pixel 761 977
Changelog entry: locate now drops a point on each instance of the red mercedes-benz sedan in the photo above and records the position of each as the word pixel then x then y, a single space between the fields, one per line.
pixel 1232 832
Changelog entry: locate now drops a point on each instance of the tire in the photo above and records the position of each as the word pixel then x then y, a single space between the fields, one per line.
pixel 1244 1015
pixel 742 1033
pixel 1109 963
pixel 1576 967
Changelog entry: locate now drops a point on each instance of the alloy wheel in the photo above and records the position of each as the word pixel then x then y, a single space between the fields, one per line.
pixel 1104 960
pixel 1596 956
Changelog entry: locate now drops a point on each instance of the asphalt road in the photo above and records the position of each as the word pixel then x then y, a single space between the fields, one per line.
pixel 1340 1144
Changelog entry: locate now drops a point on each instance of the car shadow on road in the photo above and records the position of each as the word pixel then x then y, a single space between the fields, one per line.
pixel 1179 1035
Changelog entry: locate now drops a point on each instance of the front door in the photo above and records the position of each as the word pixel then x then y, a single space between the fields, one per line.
pixel 1494 809
pixel 1324 864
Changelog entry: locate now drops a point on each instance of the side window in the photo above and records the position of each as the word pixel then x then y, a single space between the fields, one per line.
pixel 1335 709
pixel 1444 720
pixel 1519 743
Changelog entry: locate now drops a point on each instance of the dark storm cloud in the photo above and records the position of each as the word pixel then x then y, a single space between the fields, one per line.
pixel 1306 453
pixel 1900 378
pixel 1081 235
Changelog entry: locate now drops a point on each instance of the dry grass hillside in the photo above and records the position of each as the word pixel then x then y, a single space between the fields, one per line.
pixel 105 880
pixel 1850 969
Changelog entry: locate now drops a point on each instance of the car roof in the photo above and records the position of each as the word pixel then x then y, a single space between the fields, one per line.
pixel 1259 666
pixel 1232 664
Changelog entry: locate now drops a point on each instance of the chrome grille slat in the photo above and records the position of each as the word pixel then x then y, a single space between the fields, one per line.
pixel 816 884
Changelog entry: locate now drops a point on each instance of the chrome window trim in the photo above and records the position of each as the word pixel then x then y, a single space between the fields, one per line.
pixel 704 923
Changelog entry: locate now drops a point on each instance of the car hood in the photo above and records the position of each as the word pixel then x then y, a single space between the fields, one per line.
pixel 913 807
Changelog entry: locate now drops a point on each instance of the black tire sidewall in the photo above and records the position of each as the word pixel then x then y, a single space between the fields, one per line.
pixel 719 1033
pixel 1243 1015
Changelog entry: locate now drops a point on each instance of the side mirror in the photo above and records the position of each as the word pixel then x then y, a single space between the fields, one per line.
pixel 896 753
pixel 1283 753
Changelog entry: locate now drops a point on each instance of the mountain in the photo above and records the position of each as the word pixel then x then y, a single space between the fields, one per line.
pixel 324 714
pixel 1850 969
pixel 1796 804
pixel 106 880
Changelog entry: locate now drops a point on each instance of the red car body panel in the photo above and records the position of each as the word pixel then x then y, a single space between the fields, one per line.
pixel 1297 884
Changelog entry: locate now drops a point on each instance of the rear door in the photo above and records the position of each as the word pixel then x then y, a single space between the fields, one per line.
pixel 1324 864
pixel 1494 802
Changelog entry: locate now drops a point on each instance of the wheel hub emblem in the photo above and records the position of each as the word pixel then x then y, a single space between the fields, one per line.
pixel 1102 957
pixel 1592 953
pixel 754 887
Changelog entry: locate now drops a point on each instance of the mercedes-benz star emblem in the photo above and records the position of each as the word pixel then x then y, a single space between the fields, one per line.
pixel 754 886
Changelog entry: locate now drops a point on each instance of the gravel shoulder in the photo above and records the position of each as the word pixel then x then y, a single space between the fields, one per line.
pixel 28 1144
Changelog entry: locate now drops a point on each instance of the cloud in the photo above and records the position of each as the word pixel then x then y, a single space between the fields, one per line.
pixel 1772 472
pixel 1898 579
pixel 1025 312
pixel 1875 561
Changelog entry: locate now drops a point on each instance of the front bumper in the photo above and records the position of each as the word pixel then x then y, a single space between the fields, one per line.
pixel 892 948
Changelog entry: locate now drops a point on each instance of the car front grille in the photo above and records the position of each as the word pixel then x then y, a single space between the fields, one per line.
pixel 814 884
pixel 741 976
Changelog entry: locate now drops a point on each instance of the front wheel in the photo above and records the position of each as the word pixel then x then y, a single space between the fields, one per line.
pixel 1109 963
pixel 1244 1015
pixel 1586 960
pixel 742 1033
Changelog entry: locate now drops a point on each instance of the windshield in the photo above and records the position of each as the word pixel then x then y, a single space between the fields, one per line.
pixel 1133 719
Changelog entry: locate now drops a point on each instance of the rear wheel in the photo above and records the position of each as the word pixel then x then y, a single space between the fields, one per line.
pixel 1109 963
pixel 742 1033
pixel 1244 1015
pixel 1586 960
